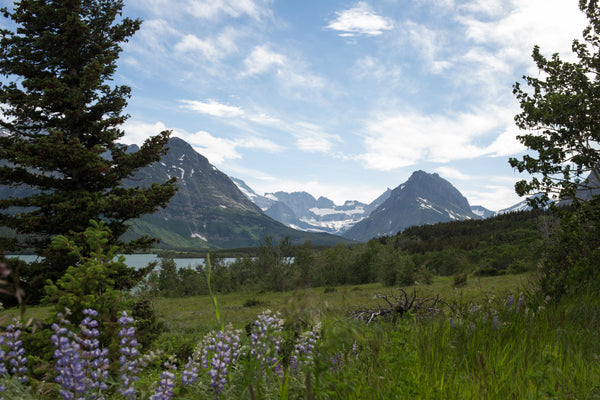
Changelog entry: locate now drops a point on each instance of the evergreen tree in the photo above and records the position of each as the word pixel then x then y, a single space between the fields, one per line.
pixel 60 120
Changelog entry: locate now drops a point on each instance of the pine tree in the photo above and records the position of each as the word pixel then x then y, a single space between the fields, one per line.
pixel 60 118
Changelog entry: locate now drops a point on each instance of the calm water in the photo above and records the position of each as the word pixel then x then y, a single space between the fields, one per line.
pixel 141 260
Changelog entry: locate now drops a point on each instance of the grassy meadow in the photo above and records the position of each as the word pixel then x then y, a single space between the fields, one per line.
pixel 485 343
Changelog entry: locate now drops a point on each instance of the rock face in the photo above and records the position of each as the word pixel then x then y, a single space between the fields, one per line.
pixel 423 199
pixel 208 210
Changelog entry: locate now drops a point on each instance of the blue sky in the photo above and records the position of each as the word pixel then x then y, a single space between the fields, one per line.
pixel 343 99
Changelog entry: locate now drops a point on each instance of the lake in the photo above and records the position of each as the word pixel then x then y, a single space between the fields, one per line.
pixel 141 260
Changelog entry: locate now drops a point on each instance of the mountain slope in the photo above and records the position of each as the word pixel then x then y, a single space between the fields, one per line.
pixel 423 199
pixel 208 210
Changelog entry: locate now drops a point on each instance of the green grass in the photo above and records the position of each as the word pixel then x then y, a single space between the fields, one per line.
pixel 541 351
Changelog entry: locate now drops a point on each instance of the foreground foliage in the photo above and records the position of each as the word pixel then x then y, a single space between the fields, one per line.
pixel 493 346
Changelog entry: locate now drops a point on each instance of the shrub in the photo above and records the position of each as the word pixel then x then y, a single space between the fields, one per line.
pixel 459 280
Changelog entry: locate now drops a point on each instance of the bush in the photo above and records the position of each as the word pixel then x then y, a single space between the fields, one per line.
pixel 459 280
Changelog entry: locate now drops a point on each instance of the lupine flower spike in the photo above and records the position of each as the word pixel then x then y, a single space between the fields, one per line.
pixel 16 353
pixel 219 353
pixel 129 356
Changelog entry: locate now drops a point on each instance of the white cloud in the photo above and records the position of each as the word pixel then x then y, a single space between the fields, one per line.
pixel 400 139
pixel 214 48
pixel 428 43
pixel 493 197
pixel 312 139
pixel 213 108
pixel 291 75
pixel 209 9
pixel 261 60
pixel 216 149
pixel 518 25
pixel 372 67
pixel 360 20
pixel 137 132
pixel 206 9
pixel 451 173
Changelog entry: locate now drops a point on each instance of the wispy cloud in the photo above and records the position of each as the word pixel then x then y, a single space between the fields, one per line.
pixel 428 43
pixel 452 173
pixel 312 139
pixel 233 8
pixel 291 74
pixel 360 20
pixel 405 138
pixel 206 9
pixel 261 60
pixel 217 149
pixel 212 108
pixel 374 68
pixel 212 48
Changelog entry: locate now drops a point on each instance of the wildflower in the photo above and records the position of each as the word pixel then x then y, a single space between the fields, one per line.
pixel 452 325
pixel 129 356
pixel 16 353
pixel 337 362
pixel 165 386
pixel 81 365
pixel 265 340
pixel 96 359
pixel 68 361
pixel 496 322
pixel 303 349
pixel 510 301
pixel 219 352
pixel 190 372
pixel 519 303
pixel 2 366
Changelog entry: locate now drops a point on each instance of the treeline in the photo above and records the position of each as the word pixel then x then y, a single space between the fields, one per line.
pixel 509 243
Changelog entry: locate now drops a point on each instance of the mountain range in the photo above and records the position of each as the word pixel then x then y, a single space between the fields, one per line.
pixel 213 210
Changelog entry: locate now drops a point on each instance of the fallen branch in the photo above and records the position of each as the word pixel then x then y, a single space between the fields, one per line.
pixel 398 306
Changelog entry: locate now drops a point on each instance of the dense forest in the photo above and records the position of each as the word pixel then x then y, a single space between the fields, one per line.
pixel 507 243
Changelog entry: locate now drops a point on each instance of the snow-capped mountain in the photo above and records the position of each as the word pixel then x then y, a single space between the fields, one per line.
pixel 423 199
pixel 301 210
pixel 482 212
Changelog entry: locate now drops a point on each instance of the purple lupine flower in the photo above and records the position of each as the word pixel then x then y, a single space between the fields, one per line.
pixel 337 362
pixel 519 303
pixel 15 356
pixel 129 356
pixel 452 324
pixel 95 359
pixel 81 365
pixel 265 339
pixel 164 391
pixel 496 322
pixel 219 352
pixel 303 349
pixel 189 375
pixel 68 362
pixel 2 355
pixel 2 366
pixel 510 301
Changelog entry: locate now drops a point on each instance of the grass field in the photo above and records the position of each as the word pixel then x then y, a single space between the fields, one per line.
pixel 482 345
